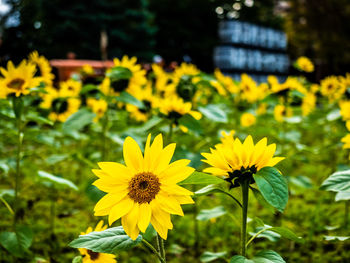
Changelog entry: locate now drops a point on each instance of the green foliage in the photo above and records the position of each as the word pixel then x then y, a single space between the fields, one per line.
pixel 127 98
pixel 78 120
pixel 214 113
pixel 56 181
pixel 110 241
pixel 18 242
pixel 207 214
pixel 201 178
pixel 337 182
pixel 267 256
pixel 211 256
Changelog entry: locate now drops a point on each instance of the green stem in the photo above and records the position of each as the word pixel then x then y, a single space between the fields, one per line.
pixel 255 236
pixel 149 245
pixel 245 198
pixel 161 247
pixel 7 205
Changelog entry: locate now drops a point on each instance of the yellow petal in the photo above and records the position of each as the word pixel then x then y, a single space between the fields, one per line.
pixel 144 216
pixel 110 187
pixel 164 158
pixel 109 200
pixel 275 161
pixel 129 222
pixel 132 154
pixel 176 174
pixel 116 170
pixel 161 230
pixel 169 204
pixel 147 154
pixel 175 190
pixel 156 149
pixel 120 209
pixel 184 199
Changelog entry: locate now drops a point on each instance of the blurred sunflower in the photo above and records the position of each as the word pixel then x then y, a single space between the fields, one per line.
pixel 309 103
pixel 146 96
pixel 346 141
pixel 238 161
pixel 248 119
pixel 44 67
pixel 18 80
pixel 95 257
pixel 262 109
pixel 123 75
pixel 219 87
pixel 280 112
pixel 97 106
pixel 226 135
pixel 226 81
pixel 345 109
pixel 145 189
pixel 162 81
pixel 332 88
pixel 60 105
pixel 70 88
pixel 304 64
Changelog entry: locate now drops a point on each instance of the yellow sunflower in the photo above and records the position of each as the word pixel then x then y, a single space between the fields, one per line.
pixel 18 80
pixel 346 141
pixel 163 82
pixel 226 135
pixel 95 257
pixel 44 68
pixel 248 119
pixel 71 87
pixel 145 189
pixel 309 103
pixel 305 64
pixel 280 112
pixel 219 87
pixel 226 81
pixel 97 106
pixel 332 88
pixel 146 96
pixel 60 105
pixel 133 75
pixel 345 109
pixel 250 91
pixel 232 158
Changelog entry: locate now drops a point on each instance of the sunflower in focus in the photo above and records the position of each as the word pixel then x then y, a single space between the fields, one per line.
pixel 70 88
pixel 280 112
pixel 99 107
pixel 332 88
pixel 18 80
pixel 145 189
pixel 96 257
pixel 60 105
pixel 236 160
pixel 125 74
pixel 146 96
pixel 44 68
pixel 304 64
pixel 248 119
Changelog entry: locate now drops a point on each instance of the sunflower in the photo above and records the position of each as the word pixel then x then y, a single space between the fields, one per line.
pixel 262 109
pixel 345 109
pixel 145 189
pixel 124 74
pixel 250 91
pixel 219 87
pixel 236 160
pixel 44 68
pixel 309 103
pixel 95 257
pixel 18 80
pixel 248 119
pixel 281 111
pixel 226 81
pixel 60 105
pixel 149 100
pixel 346 141
pixel 162 82
pixel 332 88
pixel 71 87
pixel 304 64
pixel 226 135
pixel 174 108
pixel 97 106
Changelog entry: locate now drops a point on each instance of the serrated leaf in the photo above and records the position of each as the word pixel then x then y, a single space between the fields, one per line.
pixel 128 98
pixel 109 241
pixel 17 243
pixel 211 256
pixel 337 182
pixel 273 187
pixel 201 178
pixel 214 113
pixel 78 120
pixel 206 214
pixel 59 181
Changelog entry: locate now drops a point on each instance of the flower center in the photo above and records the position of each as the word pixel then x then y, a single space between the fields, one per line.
pixel 144 187
pixel 93 255
pixel 16 84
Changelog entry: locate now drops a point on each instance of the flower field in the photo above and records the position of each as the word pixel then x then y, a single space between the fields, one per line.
pixel 130 165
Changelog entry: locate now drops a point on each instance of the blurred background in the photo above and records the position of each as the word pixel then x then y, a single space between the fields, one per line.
pixel 186 30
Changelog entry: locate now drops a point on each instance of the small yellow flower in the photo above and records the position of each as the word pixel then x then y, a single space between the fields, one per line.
pixel 145 189
pixel 18 80
pixel 332 88
pixel 261 109
pixel 280 112
pixel 305 64
pixel 95 257
pixel 248 119
pixel 97 106
pixel 309 103
pixel 226 81
pixel 232 155
pixel 87 70
pixel 44 68
pixel 70 88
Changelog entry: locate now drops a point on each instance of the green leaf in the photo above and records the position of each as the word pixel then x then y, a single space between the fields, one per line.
pixel 17 242
pixel 337 182
pixel 88 87
pixel 201 178
pixel 336 238
pixel 55 158
pixel 127 98
pixel 261 199
pixel 287 233
pixel 109 241
pixel 212 188
pixel 59 181
pixel 273 187
pixel 77 259
pixel 268 256
pixel 211 256
pixel 207 214
pixel 191 123
pixel 9 192
pixel 119 73
pixel 240 259
pixel 78 120
pixel 214 113
pixel 39 119
pixel 341 196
